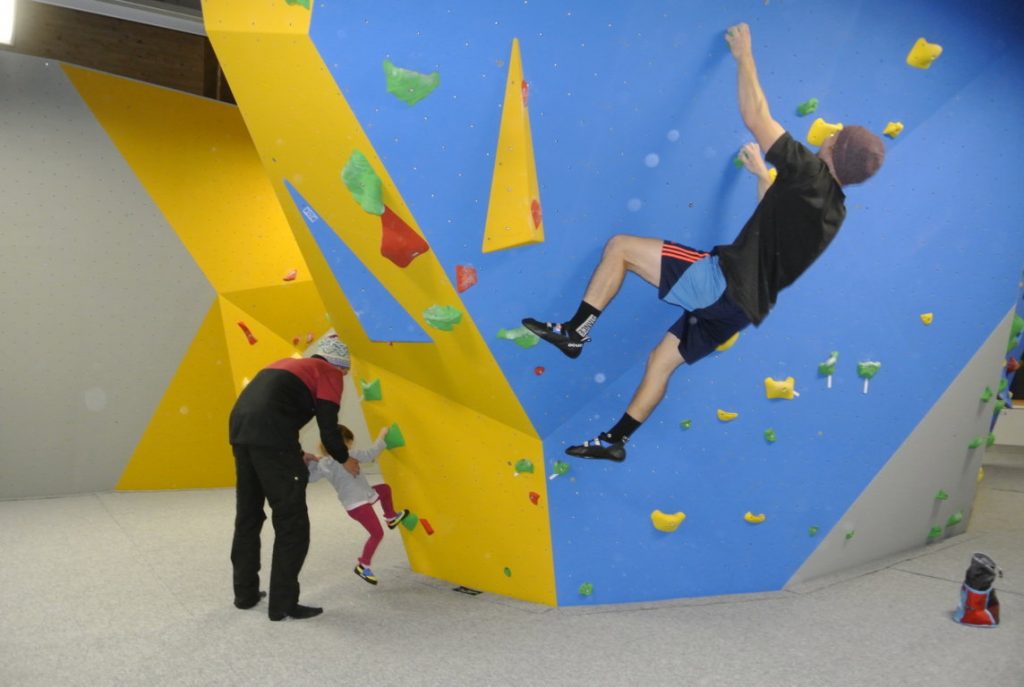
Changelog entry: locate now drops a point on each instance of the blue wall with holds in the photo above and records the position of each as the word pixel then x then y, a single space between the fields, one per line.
pixel 635 125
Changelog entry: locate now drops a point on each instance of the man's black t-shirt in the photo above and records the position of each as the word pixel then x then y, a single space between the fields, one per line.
pixel 792 225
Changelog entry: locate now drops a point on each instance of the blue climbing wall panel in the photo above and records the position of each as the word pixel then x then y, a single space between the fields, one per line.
pixel 635 125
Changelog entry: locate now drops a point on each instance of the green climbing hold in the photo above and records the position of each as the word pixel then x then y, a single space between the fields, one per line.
pixel 686 424
pixel 812 530
pixel 828 367
pixel 737 162
pixel 1003 384
pixel 371 390
pixel 990 440
pixel 300 3
pixel 868 369
pixel 410 521
pixel 409 86
pixel 443 317
pixel 1017 327
pixel 849 535
pixel 508 572
pixel 394 438
pixel 523 337
pixel 987 395
pixel 807 107
pixel 769 436
pixel 998 407
pixel 934 532
pixel 941 495
pixel 586 589
pixel 955 518
pixel 524 465
pixel 561 467
pixel 976 442
pixel 363 183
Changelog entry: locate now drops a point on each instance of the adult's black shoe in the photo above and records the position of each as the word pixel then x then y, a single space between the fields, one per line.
pixel 555 334
pixel 299 612
pixel 599 450
pixel 246 604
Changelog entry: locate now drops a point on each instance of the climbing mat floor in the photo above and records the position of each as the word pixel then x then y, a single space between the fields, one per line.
pixel 135 588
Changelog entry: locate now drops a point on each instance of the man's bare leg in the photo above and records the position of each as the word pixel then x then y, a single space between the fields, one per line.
pixel 622 253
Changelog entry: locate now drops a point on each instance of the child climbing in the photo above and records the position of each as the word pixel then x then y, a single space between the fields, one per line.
pixel 731 286
pixel 358 497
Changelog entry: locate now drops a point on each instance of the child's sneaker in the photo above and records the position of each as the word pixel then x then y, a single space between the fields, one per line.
pixel 364 572
pixel 567 341
pixel 397 520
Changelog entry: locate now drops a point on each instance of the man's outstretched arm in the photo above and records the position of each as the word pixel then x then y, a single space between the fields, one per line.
pixel 753 105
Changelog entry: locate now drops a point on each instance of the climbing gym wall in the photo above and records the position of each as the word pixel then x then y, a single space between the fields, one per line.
pixel 448 170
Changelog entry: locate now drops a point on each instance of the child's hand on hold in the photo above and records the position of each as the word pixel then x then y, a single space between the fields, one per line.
pixel 750 155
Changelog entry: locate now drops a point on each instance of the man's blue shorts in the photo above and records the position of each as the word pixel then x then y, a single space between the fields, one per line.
pixel 703 329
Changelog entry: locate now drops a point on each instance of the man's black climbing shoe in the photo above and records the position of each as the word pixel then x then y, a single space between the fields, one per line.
pixel 246 604
pixel 299 612
pixel 597 449
pixel 553 333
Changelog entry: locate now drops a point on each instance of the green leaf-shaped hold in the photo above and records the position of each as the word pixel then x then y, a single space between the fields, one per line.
pixel 586 589
pixel 868 369
pixel 934 532
pixel 409 86
pixel 523 337
pixel 524 465
pixel 394 438
pixel 686 424
pixel 769 436
pixel 941 495
pixel 829 366
pixel 807 107
pixel 990 440
pixel 955 518
pixel 443 317
pixel 1003 384
pixel 363 183
pixel 371 390
pixel 561 467
pixel 849 534
pixel 508 572
pixel 812 530
pixel 976 442
pixel 300 3
pixel 987 395
pixel 410 521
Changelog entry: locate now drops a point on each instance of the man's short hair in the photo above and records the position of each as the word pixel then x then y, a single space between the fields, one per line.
pixel 856 155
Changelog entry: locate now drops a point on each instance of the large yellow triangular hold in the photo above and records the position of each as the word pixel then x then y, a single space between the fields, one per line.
pixel 514 215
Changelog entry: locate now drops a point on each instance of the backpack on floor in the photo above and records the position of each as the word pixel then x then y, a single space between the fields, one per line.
pixel 978 603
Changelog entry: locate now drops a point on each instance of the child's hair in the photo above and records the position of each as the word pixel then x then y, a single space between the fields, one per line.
pixel 346 433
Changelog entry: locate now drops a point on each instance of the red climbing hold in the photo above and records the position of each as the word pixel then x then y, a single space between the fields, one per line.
pixel 534 498
pixel 296 341
pixel 426 526
pixel 526 93
pixel 398 242
pixel 465 277
pixel 290 276
pixel 538 370
pixel 248 334
pixel 538 217
pixel 1012 365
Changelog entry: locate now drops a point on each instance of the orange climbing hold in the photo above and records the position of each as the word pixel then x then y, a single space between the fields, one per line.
pixel 248 334
pixel 398 242
pixel 465 277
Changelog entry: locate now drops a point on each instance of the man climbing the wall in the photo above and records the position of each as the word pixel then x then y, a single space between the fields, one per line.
pixel 264 433
pixel 724 290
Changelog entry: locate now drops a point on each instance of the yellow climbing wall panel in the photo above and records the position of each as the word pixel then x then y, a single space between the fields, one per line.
pixel 463 424
pixel 196 160
pixel 514 215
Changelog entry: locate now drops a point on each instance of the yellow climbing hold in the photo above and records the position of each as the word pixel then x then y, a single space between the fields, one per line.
pixel 754 519
pixel 726 416
pixel 729 343
pixel 923 54
pixel 981 474
pixel 772 175
pixel 927 317
pixel 820 130
pixel 893 129
pixel 780 388
pixel 665 522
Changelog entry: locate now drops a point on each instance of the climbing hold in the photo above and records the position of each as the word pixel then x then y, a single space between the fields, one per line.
pixel 726 416
pixel 754 519
pixel 398 242
pixel 465 277
pixel 812 530
pixel 535 213
pixel 976 442
pixel 941 495
pixel 780 388
pixel 248 334
pixel 729 343
pixel 561 467
pixel 534 498
pixel 923 54
pixel 998 407
pixel 371 390
pixel 394 438
pixel 820 130
pixel 408 86
pixel 310 338
pixel 849 534
pixel 769 436
pixel 807 107
pixel 737 162
pixel 539 370
pixel 866 370
pixel 686 424
pixel 1012 365
pixel 508 572
pixel 665 522
pixel 296 341
pixel 955 518
pixel 290 276
pixel 410 520
pixel 987 395
pixel 363 183
pixel 1002 385
pixel 300 3
pixel 586 589
pixel 828 368
pixel 934 532
pixel 773 174
pixel 893 129
pixel 443 317
pixel 927 318
pixel 524 465
pixel 426 526
pixel 981 474
pixel 990 440
pixel 523 337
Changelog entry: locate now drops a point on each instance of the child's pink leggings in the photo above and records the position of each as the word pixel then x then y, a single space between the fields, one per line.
pixel 367 517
